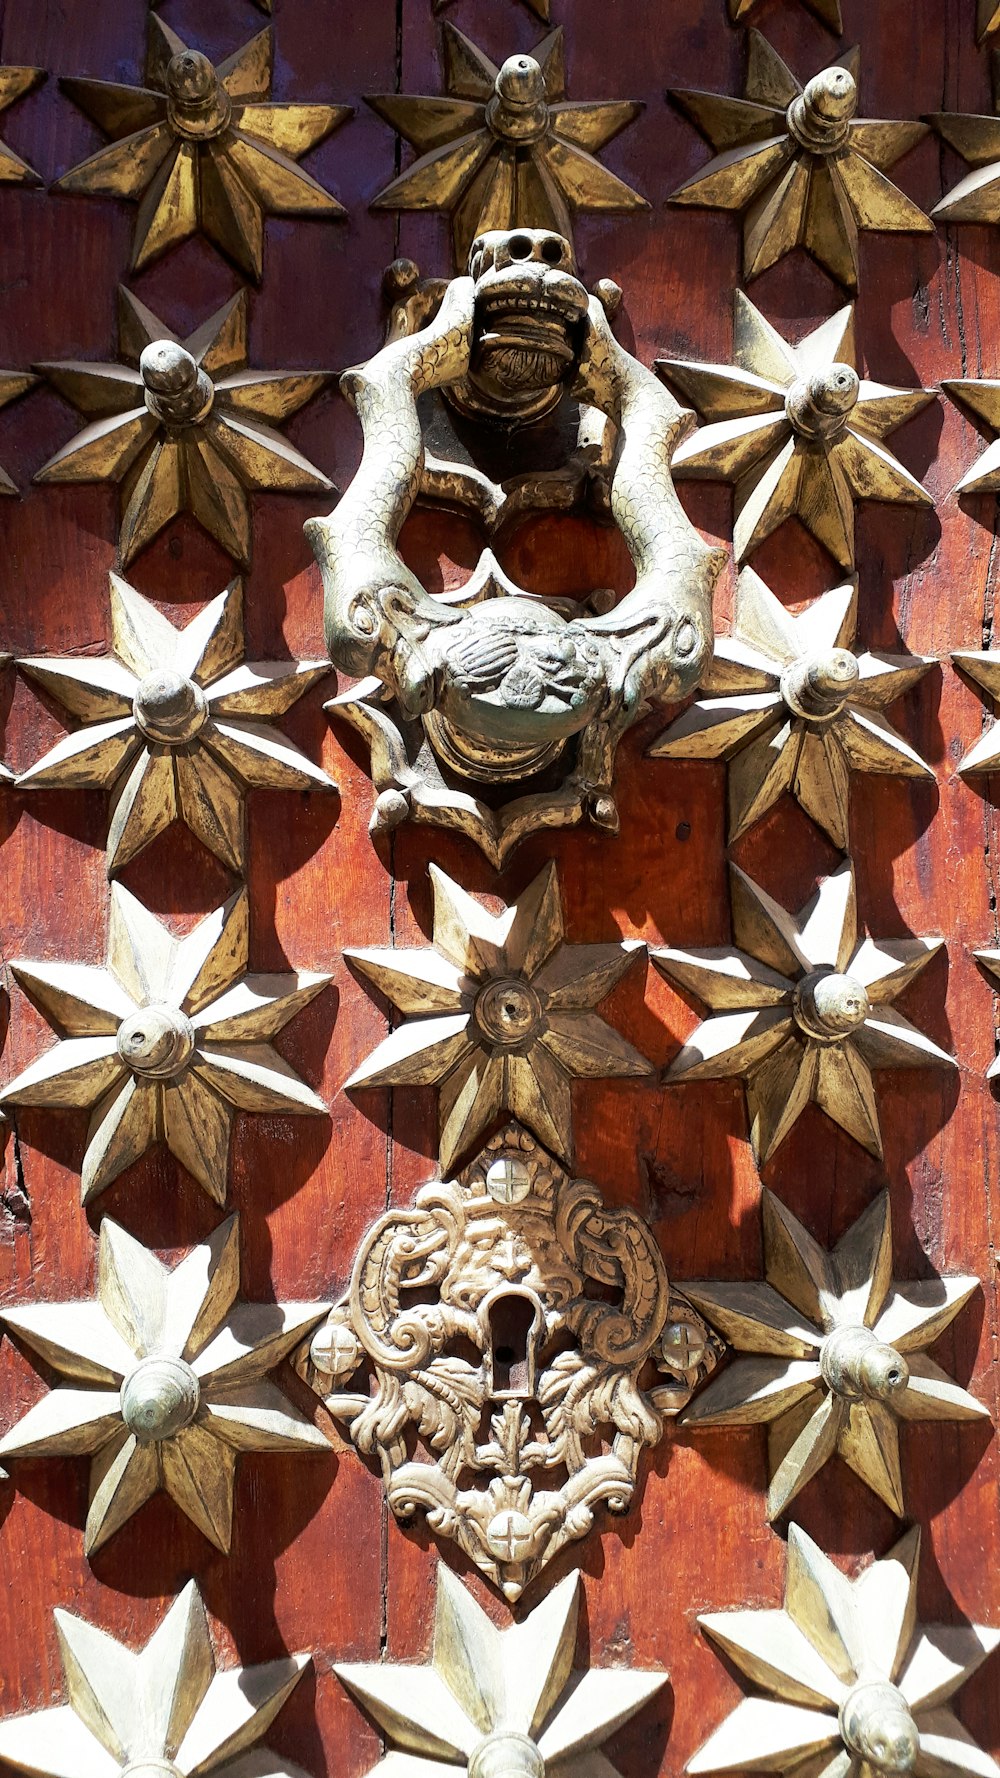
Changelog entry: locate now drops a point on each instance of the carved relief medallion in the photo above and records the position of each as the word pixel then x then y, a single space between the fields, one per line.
pixel 506 1319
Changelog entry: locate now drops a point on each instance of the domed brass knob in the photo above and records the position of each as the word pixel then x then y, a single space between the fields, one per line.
pixel 159 1398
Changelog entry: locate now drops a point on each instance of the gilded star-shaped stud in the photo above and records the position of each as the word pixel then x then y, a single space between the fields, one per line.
pixel 792 707
pixel 13 383
pixel 174 725
pixel 203 149
pixel 802 1009
pixel 980 396
pixel 15 83
pixel 167 1381
pixel 500 1013
pixel 163 1711
pixel 853 1683
pixel 166 1042
pixel 976 198
pixel 827 11
pixel 184 426
pixel 503 149
pixel 796 430
pixel 838 1354
pixel 982 666
pixel 499 1702
pixel 800 163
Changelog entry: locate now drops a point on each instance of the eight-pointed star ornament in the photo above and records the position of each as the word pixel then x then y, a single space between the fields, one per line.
pixel 800 164
pixel 801 1007
pixel 853 1683
pixel 504 149
pixel 13 383
pixel 166 1041
pixel 203 149
pixel 499 1703
pixel 982 666
pixel 15 83
pixel 837 1354
pixel 827 11
pixel 792 707
pixel 976 137
pixel 174 725
pixel 184 426
pixel 499 1012
pixel 167 1381
pixel 163 1711
pixel 796 430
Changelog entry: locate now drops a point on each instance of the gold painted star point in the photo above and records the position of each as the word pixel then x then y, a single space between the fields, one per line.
pixel 794 709
pixel 184 426
pixel 13 384
pixel 174 725
pixel 499 1013
pixel 849 1681
pixel 203 149
pixel 16 83
pixel 166 1041
pixel 167 1380
pixel 796 430
pixel 503 148
pixel 976 138
pixel 987 19
pixel 799 164
pixel 833 1354
pixel 802 1008
pixel 982 666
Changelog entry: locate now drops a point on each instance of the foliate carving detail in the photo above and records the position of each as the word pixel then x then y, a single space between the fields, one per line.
pixel 166 1381
pixel 501 685
pixel 852 1681
pixel 799 161
pixel 837 1354
pixel 173 725
pixel 507 1318
pixel 793 708
pixel 203 149
pixel 500 1012
pixel 502 148
pixel 796 430
pixel 802 1008
pixel 167 1710
pixel 165 1042
pixel 16 83
pixel 184 426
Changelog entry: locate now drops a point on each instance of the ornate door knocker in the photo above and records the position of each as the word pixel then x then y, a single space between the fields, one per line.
pixel 464 697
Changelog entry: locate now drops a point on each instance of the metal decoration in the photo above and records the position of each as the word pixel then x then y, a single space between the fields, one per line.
pixel 502 149
pixel 174 725
pixel 793 708
pixel 477 1309
pixel 839 1354
pixel 976 198
pixel 853 1683
pixel 980 396
pixel 990 960
pixel 203 150
pixel 496 1702
pixel 164 1711
pixel 499 1012
pixel 16 83
pixel 184 426
pixel 802 1008
pixel 166 1042
pixel 800 163
pixel 982 666
pixel 167 1382
pixel 827 11
pixel 13 383
pixel 492 686
pixel 987 18
pixel 796 430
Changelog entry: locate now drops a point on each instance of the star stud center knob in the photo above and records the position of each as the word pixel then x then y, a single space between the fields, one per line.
pixel 829 1006
pixel 156 1041
pixel 820 116
pixel 819 406
pixel 506 1755
pixel 857 1366
pixel 198 106
pixel 178 391
pixel 878 1728
pixel 169 709
pixel 517 111
pixel 159 1398
pixel 817 687
pixel 508 1012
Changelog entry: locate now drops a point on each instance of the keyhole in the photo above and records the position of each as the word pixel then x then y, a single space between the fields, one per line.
pixel 512 1324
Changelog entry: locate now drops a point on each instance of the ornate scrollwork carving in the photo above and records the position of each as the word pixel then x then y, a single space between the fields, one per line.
pixel 495 686
pixel 505 1318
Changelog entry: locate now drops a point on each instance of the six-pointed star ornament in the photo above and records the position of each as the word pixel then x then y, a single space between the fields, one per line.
pixel 173 725
pixel 167 1381
pixel 838 1354
pixel 184 426
pixel 793 708
pixel 499 1703
pixel 795 429
pixel 801 164
pixel 162 1711
pixel 166 1042
pixel 802 1008
pixel 982 666
pixel 203 149
pixel 500 1012
pixel 827 11
pixel 976 137
pixel 853 1683
pixel 13 383
pixel 14 84
pixel 503 149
